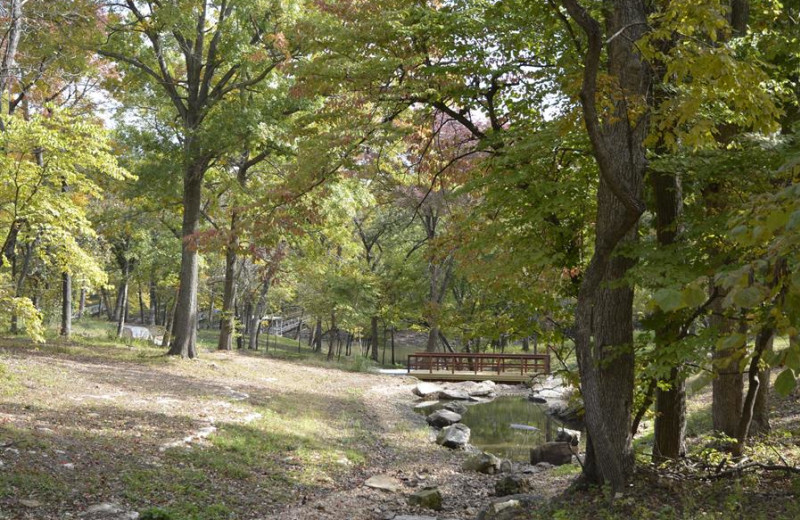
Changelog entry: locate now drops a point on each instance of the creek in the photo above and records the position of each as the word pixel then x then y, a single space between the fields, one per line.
pixel 492 431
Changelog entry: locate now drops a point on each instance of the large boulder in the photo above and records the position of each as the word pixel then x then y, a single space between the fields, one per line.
pixel 555 453
pixel 442 418
pixel 482 389
pixel 570 414
pixel 483 463
pixel 456 406
pixel 513 484
pixel 428 498
pixel 573 437
pixel 427 390
pixel 454 436
pixel 453 395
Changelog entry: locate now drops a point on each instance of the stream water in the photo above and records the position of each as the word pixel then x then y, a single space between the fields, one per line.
pixel 491 426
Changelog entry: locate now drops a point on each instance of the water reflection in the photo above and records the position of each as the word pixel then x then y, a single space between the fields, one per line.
pixel 491 422
pixel 491 426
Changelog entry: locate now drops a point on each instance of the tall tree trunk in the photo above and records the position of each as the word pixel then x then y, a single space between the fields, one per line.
pixel 66 305
pixel 151 318
pixel 727 386
pixel 333 332
pixel 760 421
pixel 8 64
pixel 763 340
pixel 255 318
pixel 118 304
pixel 124 297
pixel 318 336
pixel 393 361
pixel 210 317
pixel 141 305
pixel 169 320
pixel 184 343
pixel 604 311
pixel 107 302
pixel 374 338
pixel 82 303
pixel 228 319
pixel 670 420
pixel 20 283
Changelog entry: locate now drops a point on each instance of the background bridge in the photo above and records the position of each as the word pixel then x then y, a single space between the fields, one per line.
pixel 507 368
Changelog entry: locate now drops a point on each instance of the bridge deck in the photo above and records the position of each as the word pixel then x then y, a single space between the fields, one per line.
pixel 506 368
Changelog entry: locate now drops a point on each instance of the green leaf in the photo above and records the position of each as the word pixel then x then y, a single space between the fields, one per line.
pixel 694 296
pixel 785 382
pixel 792 359
pixel 668 299
pixel 748 297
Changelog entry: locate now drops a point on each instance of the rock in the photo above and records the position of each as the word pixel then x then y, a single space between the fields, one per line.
pixel 427 404
pixel 456 406
pixel 427 389
pixel 555 453
pixel 453 395
pixel 110 511
pixel 556 394
pixel 454 436
pixel 105 508
pixel 509 507
pixel 482 389
pixel 442 418
pixel 30 503
pixel 384 482
pixel 569 414
pixel 483 463
pixel 514 484
pixel 413 517
pixel 506 466
pixel 428 498
pixel 573 437
pixel 536 398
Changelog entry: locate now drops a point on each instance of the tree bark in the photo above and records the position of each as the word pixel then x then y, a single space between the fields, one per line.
pixel 151 319
pixel 228 323
pixel 670 420
pixel 184 343
pixel 333 332
pixel 318 336
pixel 82 303
pixel 255 317
pixel 66 305
pixel 106 302
pixel 727 386
pixel 118 305
pixel 604 316
pixel 124 300
pixel 374 339
pixel 141 304
pixel 763 340
pixel 169 321
pixel 760 422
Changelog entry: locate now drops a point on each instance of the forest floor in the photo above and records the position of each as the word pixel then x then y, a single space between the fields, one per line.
pixel 86 429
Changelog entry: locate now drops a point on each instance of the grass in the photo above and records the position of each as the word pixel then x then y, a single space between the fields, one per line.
pixel 295 443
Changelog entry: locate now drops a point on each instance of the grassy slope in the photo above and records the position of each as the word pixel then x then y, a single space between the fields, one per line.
pixel 88 422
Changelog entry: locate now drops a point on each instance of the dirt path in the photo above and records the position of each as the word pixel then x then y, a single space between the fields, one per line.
pixel 228 436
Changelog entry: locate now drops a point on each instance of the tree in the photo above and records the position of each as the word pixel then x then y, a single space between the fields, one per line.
pixel 196 56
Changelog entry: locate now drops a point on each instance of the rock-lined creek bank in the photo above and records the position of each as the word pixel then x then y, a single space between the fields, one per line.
pixel 545 445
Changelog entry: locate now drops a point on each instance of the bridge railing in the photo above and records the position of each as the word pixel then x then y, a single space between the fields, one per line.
pixel 477 363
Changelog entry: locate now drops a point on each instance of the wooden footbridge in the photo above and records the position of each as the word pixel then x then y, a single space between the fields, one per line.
pixel 506 368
